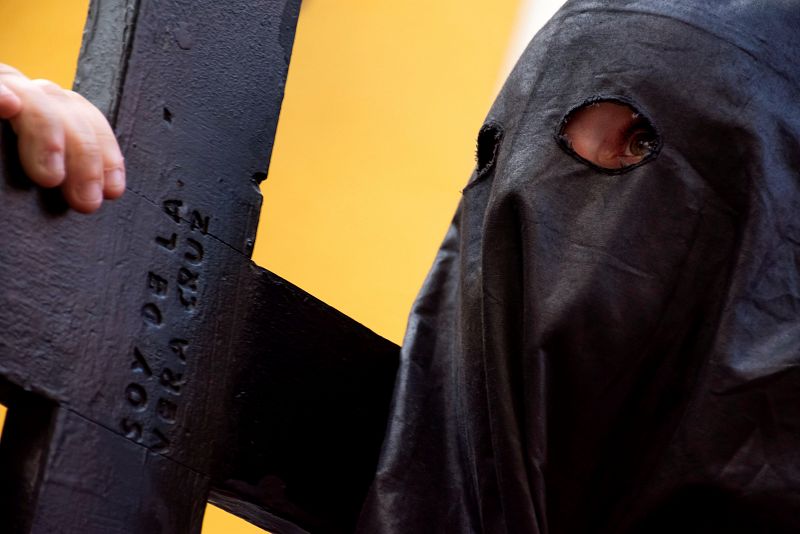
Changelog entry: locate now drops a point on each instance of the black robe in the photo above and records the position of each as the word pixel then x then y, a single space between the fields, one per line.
pixel 616 352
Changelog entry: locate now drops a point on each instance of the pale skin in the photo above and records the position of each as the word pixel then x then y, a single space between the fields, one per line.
pixel 64 141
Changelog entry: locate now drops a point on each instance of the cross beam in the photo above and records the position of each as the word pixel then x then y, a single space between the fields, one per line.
pixel 148 365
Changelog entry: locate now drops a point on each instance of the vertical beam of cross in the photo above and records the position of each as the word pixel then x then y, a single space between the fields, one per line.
pixel 145 359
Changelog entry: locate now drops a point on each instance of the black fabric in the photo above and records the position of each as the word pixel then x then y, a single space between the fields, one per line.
pixel 617 353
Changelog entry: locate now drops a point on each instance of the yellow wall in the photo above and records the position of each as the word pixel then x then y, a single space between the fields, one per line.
pixel 376 138
pixel 375 141
pixel 42 37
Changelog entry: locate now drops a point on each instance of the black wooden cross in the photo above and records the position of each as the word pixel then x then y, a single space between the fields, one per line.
pixel 148 365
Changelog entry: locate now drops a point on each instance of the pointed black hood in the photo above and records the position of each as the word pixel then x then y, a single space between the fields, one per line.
pixel 616 352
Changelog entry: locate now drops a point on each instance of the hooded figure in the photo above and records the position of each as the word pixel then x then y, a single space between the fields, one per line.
pixel 616 349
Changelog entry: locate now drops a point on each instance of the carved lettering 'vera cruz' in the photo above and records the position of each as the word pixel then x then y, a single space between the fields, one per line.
pixel 152 396
pixel 166 411
pixel 137 396
pixel 152 314
pixel 140 364
pixel 199 222
pixel 195 252
pixel 179 347
pixel 173 209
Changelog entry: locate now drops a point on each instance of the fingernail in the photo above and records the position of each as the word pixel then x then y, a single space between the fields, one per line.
pixel 90 192
pixel 115 179
pixel 4 90
pixel 54 163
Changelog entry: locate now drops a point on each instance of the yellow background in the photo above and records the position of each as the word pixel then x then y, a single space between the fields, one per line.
pixel 376 139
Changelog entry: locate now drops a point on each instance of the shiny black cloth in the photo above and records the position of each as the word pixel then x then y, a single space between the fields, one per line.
pixel 616 353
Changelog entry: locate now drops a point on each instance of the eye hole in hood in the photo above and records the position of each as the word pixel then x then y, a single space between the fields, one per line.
pixel 609 135
pixel 489 139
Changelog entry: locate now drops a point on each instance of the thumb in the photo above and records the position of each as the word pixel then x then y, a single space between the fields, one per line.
pixel 10 104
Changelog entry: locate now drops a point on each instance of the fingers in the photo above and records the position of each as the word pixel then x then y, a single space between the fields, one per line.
pixel 113 162
pixel 83 187
pixel 40 132
pixel 94 164
pixel 63 140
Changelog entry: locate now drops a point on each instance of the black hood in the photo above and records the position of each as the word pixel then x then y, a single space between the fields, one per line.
pixel 616 352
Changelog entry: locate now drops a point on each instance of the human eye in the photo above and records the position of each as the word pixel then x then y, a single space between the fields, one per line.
pixel 639 140
pixel 609 134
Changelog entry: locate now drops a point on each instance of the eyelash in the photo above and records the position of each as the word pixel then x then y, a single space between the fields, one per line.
pixel 629 134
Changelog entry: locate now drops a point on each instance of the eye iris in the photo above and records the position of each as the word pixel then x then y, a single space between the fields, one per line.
pixel 642 142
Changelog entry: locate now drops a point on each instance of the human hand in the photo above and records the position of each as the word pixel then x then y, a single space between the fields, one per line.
pixel 63 140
